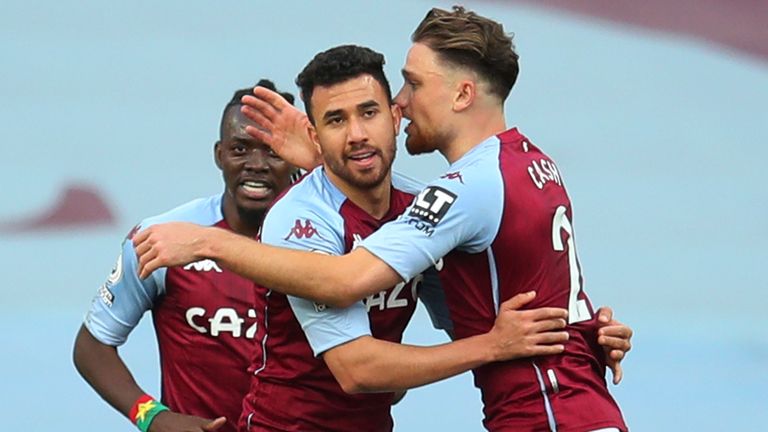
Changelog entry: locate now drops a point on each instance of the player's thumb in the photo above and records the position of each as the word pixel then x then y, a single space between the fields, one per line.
pixel 618 373
pixel 215 424
pixel 604 314
pixel 518 301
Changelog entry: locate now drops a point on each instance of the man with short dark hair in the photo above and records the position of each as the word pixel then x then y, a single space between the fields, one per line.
pixel 207 319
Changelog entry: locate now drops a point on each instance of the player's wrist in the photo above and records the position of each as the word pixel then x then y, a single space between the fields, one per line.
pixel 144 411
pixel 485 348
pixel 207 246
pixel 495 350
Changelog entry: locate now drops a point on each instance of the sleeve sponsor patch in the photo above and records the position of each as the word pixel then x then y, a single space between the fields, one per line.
pixel 106 295
pixel 114 277
pixel 117 272
pixel 432 204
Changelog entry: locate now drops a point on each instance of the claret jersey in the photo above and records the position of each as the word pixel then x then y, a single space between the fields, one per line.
pixel 293 389
pixel 205 317
pixel 502 220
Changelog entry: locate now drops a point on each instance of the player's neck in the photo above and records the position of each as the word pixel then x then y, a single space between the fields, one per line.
pixel 374 200
pixel 473 129
pixel 247 224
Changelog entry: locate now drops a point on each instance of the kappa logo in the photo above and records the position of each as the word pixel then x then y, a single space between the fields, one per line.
pixel 454 176
pixel 432 204
pixel 302 231
pixel 205 265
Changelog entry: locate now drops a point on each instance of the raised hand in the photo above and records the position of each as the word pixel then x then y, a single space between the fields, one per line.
pixel 615 339
pixel 282 127
pixel 525 333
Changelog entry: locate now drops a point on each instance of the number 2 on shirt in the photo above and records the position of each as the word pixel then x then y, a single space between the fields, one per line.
pixel 577 309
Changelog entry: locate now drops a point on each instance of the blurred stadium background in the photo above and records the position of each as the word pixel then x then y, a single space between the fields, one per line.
pixel 656 113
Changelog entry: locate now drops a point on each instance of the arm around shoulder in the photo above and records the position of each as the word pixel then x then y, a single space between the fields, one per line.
pixel 337 281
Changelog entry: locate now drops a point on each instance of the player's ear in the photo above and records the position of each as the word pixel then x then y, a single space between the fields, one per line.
pixel 397 117
pixel 217 154
pixel 464 95
pixel 315 140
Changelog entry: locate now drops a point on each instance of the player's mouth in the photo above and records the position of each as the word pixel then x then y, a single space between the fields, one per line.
pixel 363 159
pixel 256 189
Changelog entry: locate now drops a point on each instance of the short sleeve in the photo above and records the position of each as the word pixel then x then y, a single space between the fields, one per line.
pixel 327 327
pixel 450 213
pixel 122 300
pixel 309 227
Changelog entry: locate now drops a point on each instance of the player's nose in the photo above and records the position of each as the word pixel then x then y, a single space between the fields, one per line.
pixel 257 160
pixel 400 99
pixel 356 131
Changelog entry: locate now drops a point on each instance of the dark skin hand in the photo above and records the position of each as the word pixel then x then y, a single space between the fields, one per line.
pixel 101 366
pixel 169 421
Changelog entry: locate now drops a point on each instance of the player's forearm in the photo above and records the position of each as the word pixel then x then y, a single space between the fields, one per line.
pixel 371 365
pixel 322 278
pixel 101 366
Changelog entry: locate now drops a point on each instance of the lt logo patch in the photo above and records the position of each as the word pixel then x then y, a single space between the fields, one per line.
pixel 432 204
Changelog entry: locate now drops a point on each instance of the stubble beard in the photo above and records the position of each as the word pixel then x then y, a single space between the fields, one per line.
pixel 366 181
pixel 417 143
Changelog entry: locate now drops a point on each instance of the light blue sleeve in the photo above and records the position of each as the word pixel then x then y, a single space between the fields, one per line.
pixel 122 300
pixel 321 231
pixel 450 213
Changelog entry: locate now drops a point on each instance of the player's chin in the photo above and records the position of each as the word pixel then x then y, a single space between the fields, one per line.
pixel 369 178
pixel 415 145
pixel 251 206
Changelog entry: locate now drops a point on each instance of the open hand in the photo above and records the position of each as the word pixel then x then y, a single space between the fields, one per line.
pixel 284 128
pixel 525 333
pixel 169 421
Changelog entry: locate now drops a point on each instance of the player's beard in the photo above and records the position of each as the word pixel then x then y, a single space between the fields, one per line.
pixel 418 141
pixel 367 180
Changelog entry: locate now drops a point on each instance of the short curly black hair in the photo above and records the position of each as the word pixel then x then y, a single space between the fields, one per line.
pixel 238 95
pixel 337 65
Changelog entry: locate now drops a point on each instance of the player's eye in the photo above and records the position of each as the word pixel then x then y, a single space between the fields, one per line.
pixel 334 121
